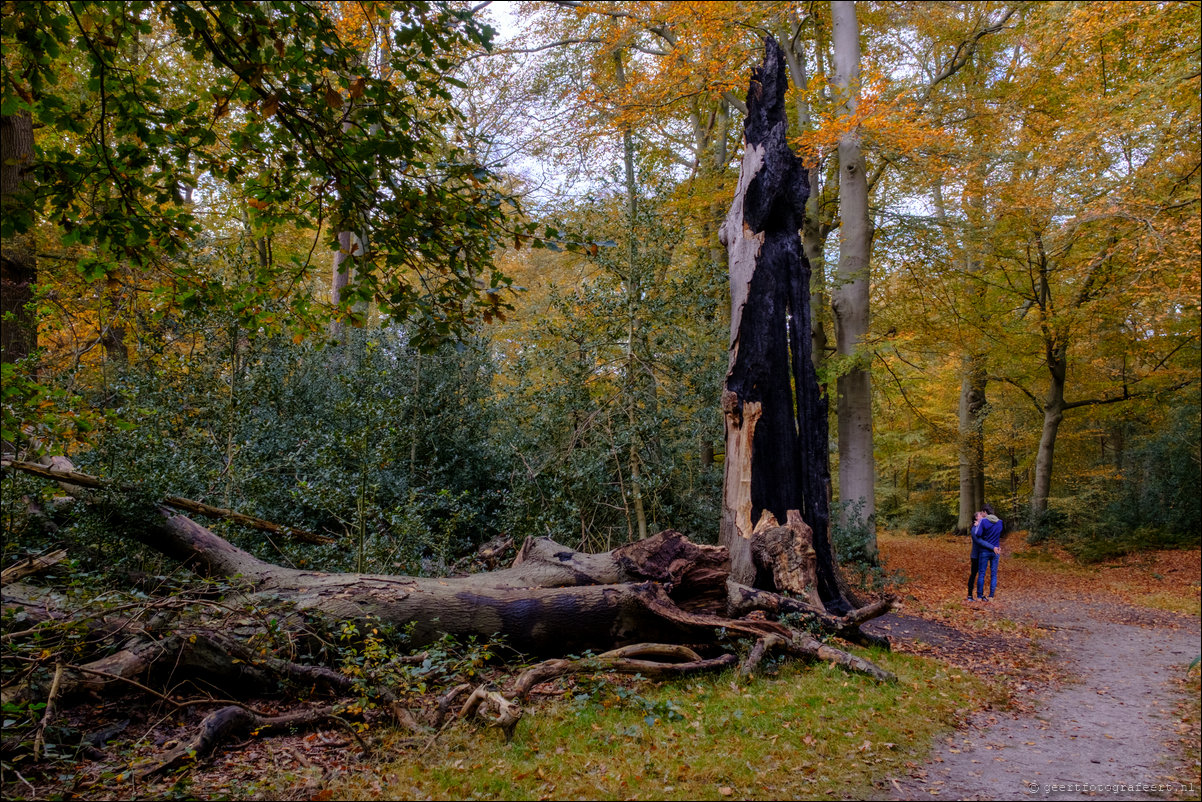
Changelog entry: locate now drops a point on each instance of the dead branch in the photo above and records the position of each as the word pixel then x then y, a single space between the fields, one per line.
pixel 32 565
pixel 808 647
pixel 670 652
pixel 552 669
pixel 445 701
pixel 175 502
pixel 223 724
pixel 39 738
pixel 761 648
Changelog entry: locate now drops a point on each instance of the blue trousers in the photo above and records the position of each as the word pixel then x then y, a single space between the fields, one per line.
pixel 987 562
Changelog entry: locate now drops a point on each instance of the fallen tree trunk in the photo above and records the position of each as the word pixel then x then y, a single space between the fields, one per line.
pixel 553 601
pixel 660 607
pixel 32 565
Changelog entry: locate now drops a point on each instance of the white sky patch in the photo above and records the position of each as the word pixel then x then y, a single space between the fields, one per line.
pixel 502 15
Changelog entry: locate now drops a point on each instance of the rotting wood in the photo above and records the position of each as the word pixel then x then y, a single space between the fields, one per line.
pixel 223 724
pixel 652 669
pixel 507 713
pixel 29 566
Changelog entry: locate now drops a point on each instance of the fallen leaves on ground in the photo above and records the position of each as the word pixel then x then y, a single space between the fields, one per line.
pixel 934 619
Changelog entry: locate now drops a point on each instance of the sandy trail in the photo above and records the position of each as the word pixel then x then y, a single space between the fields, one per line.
pixel 1102 734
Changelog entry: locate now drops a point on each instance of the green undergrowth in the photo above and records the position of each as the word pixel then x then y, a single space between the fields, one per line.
pixel 809 732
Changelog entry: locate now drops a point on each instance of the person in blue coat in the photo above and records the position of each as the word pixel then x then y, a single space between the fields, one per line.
pixel 987 542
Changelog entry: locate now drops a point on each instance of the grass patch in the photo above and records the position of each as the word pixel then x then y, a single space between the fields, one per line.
pixel 808 732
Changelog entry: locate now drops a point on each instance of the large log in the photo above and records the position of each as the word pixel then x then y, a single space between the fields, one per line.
pixel 551 601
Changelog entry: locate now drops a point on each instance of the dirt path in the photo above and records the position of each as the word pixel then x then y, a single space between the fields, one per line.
pixel 1100 734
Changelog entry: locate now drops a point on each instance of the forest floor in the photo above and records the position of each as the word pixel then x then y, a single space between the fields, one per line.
pixel 1104 706
pixel 1074 675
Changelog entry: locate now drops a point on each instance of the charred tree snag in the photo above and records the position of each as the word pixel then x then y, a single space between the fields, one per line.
pixel 776 414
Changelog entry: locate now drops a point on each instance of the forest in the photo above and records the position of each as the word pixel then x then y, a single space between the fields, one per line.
pixel 384 350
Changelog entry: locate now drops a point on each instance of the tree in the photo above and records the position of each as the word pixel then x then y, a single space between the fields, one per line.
pixel 552 600
pixel 1039 273
pixel 139 107
pixel 775 467
pixel 849 297
pixel 18 262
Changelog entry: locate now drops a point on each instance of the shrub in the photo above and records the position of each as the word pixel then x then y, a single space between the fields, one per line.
pixel 929 515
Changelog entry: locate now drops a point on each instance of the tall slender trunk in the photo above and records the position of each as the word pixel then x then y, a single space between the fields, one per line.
pixel 18 257
pixel 850 296
pixel 343 270
pixel 633 300
pixel 971 446
pixel 1053 414
pixel 972 440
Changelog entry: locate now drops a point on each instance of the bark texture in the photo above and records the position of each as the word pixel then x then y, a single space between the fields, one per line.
pixel 972 441
pixel 659 607
pixel 775 413
pixel 849 298
pixel 18 259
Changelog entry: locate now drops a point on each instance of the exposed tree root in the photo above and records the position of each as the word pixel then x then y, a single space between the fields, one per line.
pixel 507 713
pixel 637 606
pixel 551 669
pixel 228 722
pixel 809 647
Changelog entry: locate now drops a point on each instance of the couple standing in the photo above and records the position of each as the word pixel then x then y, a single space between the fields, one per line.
pixel 986 535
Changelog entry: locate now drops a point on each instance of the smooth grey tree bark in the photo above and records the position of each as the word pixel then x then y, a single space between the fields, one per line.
pixel 849 296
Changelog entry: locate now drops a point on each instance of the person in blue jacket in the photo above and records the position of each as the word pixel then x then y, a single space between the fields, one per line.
pixel 987 543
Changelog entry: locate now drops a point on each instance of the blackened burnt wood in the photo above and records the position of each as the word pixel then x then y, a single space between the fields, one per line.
pixel 775 411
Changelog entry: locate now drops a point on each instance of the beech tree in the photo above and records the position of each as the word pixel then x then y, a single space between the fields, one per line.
pixel 1032 271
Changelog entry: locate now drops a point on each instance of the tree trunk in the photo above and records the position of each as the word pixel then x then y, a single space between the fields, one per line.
pixel 552 600
pixel 973 383
pixel 18 257
pixel 343 268
pixel 775 414
pixel 634 325
pixel 850 295
pixel 669 607
pixel 972 442
pixel 1053 414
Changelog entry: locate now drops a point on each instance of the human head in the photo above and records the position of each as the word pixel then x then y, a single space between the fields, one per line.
pixel 987 509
